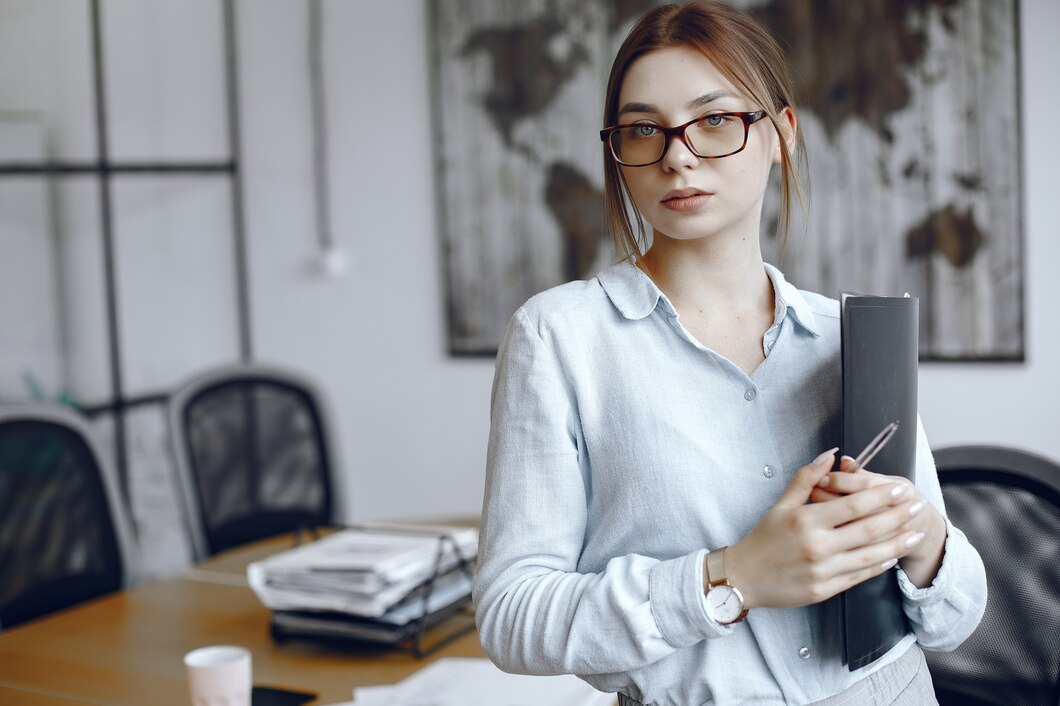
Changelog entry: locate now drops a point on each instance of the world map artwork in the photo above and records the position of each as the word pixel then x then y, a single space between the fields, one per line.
pixel 910 114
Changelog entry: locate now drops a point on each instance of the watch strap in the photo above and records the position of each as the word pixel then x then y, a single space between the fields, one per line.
pixel 716 576
pixel 716 567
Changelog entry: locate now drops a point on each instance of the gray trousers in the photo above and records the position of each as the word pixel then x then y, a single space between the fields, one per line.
pixel 904 682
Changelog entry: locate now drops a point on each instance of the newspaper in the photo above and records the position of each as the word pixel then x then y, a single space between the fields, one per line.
pixel 367 572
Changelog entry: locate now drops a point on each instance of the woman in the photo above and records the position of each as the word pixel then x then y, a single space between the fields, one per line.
pixel 650 426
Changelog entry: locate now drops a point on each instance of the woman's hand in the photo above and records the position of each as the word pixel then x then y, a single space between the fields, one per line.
pixel 801 553
pixel 923 562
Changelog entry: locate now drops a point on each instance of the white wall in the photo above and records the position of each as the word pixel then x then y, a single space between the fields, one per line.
pixel 414 422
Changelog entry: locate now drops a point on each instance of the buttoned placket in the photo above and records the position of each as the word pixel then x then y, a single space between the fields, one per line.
pixel 769 339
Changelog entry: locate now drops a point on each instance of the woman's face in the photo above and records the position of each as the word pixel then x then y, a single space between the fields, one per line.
pixel 669 87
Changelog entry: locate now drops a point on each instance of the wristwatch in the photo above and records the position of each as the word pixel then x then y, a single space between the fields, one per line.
pixel 724 601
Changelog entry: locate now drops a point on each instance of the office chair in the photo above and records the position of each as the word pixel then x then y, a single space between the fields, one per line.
pixel 1008 503
pixel 64 533
pixel 254 456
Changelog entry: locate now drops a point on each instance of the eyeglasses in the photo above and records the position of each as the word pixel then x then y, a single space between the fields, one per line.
pixel 709 137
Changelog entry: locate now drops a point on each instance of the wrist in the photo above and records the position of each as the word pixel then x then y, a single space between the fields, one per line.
pixel 922 565
pixel 724 600
pixel 735 571
pixel 934 539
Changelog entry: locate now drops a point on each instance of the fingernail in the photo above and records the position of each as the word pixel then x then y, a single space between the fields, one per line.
pixel 888 564
pixel 848 459
pixel 916 508
pixel 899 490
pixel 914 539
pixel 828 456
pixel 824 482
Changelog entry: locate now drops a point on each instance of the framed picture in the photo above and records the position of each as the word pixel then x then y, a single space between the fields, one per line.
pixel 909 110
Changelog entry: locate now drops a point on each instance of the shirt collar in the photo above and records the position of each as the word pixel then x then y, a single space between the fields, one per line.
pixel 632 292
pixel 635 295
pixel 790 299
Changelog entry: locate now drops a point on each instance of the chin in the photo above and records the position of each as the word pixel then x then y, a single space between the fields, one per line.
pixel 685 229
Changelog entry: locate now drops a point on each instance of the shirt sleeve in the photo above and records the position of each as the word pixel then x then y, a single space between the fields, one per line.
pixel 535 612
pixel 946 612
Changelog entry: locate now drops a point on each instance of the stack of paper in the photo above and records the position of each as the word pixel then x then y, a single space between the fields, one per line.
pixel 476 682
pixel 369 572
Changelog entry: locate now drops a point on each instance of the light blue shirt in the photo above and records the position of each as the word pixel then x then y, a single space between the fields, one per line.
pixel 620 451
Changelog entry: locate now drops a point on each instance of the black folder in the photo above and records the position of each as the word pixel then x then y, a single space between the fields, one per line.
pixel 879 353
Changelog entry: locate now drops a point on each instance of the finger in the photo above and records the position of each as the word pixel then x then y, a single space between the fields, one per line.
pixel 848 580
pixel 802 484
pixel 866 568
pixel 847 483
pixel 847 465
pixel 820 495
pixel 865 563
pixel 878 528
pixel 894 547
pixel 862 503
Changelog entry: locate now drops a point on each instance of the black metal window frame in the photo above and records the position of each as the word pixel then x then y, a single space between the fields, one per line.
pixel 105 169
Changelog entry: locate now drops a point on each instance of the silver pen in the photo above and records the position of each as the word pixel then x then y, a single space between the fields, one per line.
pixel 874 447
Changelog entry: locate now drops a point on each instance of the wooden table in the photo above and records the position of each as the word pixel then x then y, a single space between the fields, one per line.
pixel 126 649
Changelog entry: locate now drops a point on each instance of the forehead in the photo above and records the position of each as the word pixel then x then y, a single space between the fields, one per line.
pixel 669 78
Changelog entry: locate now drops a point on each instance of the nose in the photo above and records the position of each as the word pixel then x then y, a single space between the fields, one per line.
pixel 678 154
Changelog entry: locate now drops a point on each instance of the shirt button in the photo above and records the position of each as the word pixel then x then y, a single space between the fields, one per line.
pixel 768 471
pixel 771 344
pixel 804 652
pixel 749 394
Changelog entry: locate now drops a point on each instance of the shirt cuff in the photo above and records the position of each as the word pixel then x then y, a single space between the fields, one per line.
pixel 938 588
pixel 675 592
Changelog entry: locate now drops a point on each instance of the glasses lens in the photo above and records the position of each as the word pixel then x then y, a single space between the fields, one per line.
pixel 638 144
pixel 716 135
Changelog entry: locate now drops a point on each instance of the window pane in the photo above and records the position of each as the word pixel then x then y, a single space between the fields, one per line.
pixel 176 278
pixel 165 76
pixel 31 320
pixel 87 333
pixel 46 72
pixel 53 331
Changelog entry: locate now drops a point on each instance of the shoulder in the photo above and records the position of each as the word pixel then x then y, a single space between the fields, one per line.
pixel 567 307
pixel 821 306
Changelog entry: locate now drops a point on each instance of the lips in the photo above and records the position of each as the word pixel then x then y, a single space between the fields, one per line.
pixel 688 199
pixel 684 194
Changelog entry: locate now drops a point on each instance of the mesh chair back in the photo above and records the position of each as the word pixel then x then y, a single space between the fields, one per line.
pixel 1008 503
pixel 62 536
pixel 253 455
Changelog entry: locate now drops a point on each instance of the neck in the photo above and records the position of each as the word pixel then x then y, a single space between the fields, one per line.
pixel 725 273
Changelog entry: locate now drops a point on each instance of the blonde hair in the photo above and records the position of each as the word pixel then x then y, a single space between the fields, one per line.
pixel 747 55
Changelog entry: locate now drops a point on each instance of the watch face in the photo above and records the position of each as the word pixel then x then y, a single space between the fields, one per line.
pixel 724 604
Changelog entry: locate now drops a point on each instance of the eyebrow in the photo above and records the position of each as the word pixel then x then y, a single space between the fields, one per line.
pixel 703 100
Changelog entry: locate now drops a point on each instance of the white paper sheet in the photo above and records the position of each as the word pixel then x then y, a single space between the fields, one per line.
pixel 458 681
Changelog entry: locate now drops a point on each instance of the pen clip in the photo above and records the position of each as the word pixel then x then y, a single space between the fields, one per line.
pixel 874 447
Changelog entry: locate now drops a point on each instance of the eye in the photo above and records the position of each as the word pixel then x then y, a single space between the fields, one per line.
pixel 644 130
pixel 714 120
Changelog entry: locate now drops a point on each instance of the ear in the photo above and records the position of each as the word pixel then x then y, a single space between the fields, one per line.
pixel 788 132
